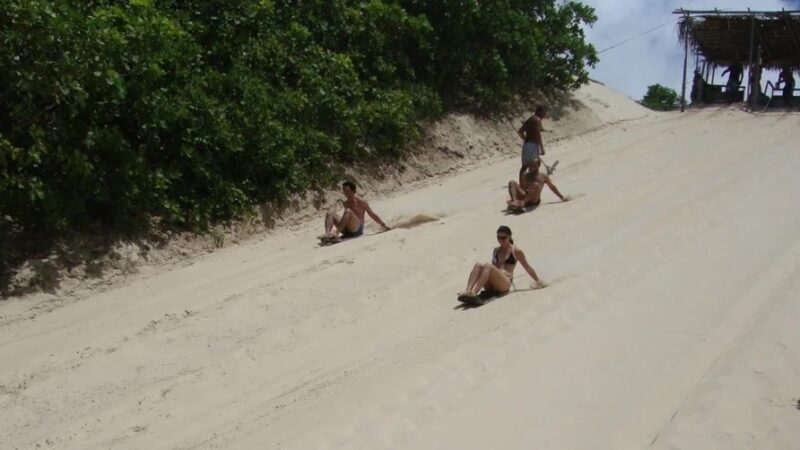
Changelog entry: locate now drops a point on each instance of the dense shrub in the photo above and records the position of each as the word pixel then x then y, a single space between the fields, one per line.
pixel 112 112
pixel 660 98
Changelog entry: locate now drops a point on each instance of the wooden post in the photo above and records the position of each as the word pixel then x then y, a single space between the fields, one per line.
pixel 752 43
pixel 685 63
pixel 700 71
pixel 755 91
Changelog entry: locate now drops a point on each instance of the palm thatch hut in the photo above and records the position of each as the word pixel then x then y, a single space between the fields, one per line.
pixel 755 39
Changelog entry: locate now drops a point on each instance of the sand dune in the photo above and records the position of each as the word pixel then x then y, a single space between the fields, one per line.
pixel 670 321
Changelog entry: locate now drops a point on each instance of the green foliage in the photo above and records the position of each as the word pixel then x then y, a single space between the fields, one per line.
pixel 112 112
pixel 488 51
pixel 661 98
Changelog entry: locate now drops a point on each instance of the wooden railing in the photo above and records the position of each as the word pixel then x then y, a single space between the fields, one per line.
pixel 771 88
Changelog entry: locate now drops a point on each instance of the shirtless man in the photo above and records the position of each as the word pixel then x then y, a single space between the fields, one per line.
pixel 735 75
pixel 529 193
pixel 531 134
pixel 351 223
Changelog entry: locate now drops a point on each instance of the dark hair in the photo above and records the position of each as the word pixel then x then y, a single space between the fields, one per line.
pixel 541 109
pixel 349 184
pixel 506 230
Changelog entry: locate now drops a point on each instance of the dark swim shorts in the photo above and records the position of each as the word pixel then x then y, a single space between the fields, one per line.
pixel 347 234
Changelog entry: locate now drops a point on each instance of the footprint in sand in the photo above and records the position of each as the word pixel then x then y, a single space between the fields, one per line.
pixel 154 325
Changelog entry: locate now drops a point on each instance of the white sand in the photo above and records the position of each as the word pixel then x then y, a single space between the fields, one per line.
pixel 671 321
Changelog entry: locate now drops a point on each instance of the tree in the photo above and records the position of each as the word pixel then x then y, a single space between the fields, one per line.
pixel 660 98
pixel 193 111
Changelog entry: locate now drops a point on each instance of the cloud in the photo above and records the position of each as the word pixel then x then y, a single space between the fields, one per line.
pixel 656 57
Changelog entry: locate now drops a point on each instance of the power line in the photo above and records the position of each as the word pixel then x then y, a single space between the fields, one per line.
pixel 638 35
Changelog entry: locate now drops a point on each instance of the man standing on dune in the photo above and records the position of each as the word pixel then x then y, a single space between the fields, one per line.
pixel 532 145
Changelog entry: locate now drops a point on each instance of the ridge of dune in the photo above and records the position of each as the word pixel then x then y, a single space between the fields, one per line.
pixel 670 321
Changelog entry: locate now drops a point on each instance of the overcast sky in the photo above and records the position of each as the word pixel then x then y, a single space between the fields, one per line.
pixel 656 57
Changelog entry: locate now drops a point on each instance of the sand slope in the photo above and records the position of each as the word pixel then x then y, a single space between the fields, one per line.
pixel 671 321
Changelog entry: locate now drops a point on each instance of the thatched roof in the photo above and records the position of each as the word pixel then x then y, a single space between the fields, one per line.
pixel 724 37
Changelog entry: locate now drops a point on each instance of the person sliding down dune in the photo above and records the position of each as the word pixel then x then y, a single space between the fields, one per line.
pixel 496 277
pixel 529 193
pixel 351 223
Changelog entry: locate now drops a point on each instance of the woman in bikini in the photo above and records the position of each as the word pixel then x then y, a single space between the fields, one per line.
pixel 496 277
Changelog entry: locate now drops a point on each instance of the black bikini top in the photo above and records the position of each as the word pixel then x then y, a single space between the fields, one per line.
pixel 510 259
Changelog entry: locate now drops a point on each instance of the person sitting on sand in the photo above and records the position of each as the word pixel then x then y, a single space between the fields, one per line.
pixel 351 223
pixel 529 192
pixel 496 277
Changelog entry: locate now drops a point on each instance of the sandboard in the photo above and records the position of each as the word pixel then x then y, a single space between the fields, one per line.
pixel 520 209
pixel 479 300
pixel 552 168
pixel 329 240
